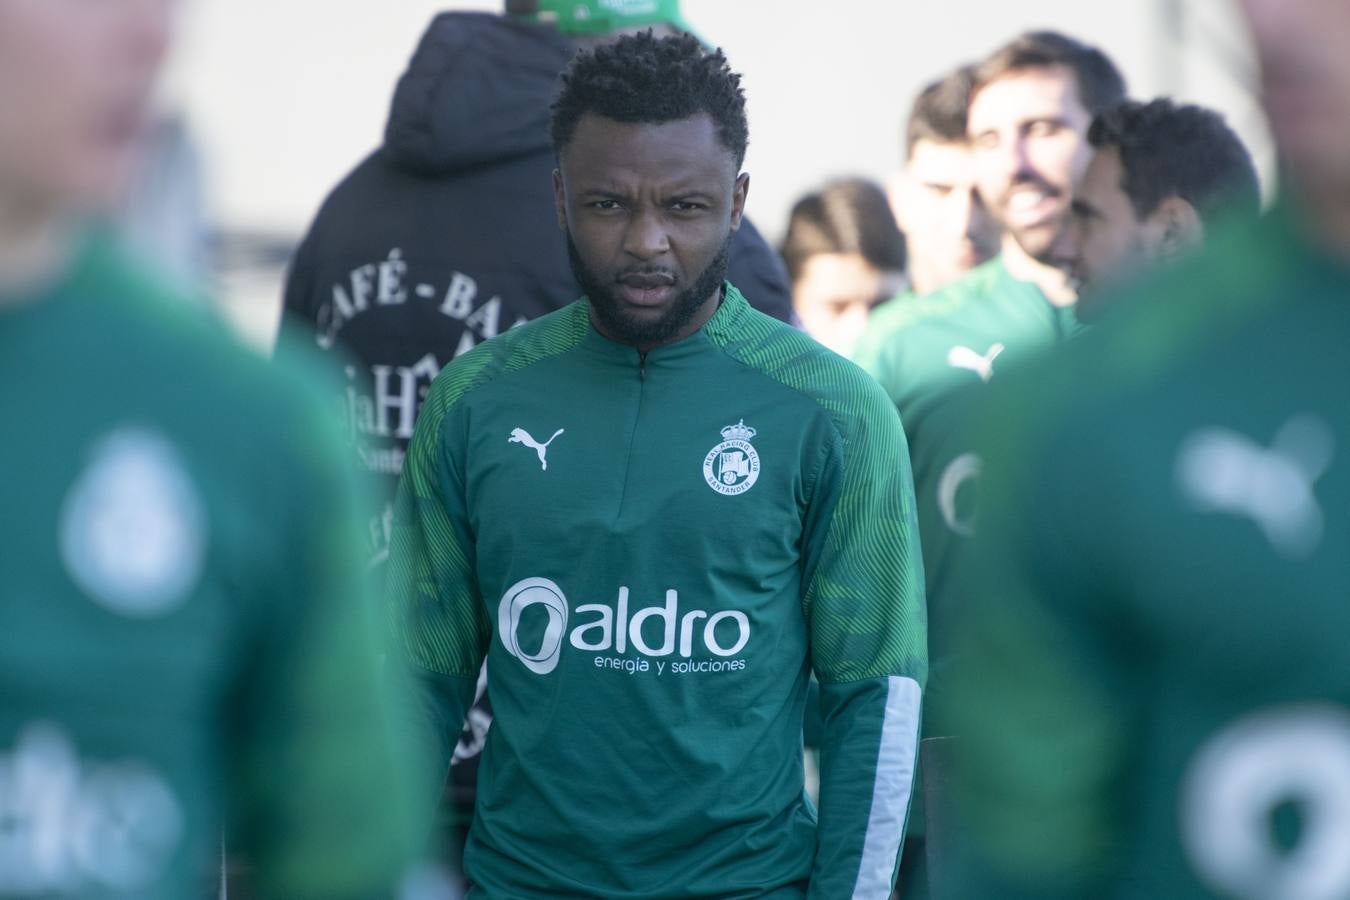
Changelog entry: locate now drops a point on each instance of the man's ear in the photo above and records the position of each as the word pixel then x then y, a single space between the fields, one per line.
pixel 559 199
pixel 1177 227
pixel 738 195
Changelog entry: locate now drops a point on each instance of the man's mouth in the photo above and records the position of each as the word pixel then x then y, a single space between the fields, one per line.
pixel 647 289
pixel 1030 204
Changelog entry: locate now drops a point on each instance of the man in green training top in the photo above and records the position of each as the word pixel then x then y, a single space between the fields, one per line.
pixel 1030 107
pixel 947 229
pixel 655 512
pixel 1031 102
pixel 1155 697
pixel 179 634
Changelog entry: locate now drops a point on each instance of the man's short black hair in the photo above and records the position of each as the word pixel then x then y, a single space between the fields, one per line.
pixel 939 112
pixel 848 216
pixel 648 80
pixel 1169 149
pixel 1100 84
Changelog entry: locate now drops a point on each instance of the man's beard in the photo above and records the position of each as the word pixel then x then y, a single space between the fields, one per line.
pixel 625 329
pixel 1038 240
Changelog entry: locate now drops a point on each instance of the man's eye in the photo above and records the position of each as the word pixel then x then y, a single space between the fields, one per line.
pixel 1042 128
pixel 687 206
pixel 986 141
pixel 604 205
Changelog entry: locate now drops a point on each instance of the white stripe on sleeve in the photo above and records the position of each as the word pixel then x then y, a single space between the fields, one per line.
pixel 890 792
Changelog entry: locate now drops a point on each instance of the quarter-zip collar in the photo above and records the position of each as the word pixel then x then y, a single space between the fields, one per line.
pixel 729 313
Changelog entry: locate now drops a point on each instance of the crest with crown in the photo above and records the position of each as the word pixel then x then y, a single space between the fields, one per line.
pixel 738 432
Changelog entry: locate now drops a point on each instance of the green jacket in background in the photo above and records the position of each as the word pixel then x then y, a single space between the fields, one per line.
pixel 925 350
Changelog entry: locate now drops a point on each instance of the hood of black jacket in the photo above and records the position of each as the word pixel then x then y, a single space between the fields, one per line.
pixel 477 90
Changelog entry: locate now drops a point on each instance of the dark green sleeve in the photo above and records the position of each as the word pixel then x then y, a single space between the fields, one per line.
pixel 1036 699
pixel 321 796
pixel 864 608
pixel 440 629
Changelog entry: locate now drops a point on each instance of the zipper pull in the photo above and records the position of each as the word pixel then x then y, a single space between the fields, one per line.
pixel 642 367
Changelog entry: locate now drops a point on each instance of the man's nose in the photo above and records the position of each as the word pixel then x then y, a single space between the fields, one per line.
pixel 1015 162
pixel 646 237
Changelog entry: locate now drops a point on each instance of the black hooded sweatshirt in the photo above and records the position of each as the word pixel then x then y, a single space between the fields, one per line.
pixel 447 235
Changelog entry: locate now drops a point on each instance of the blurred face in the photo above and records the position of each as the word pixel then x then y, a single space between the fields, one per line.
pixel 1104 237
pixel 75 82
pixel 1029 134
pixel 835 292
pixel 1304 47
pixel 1107 241
pixel 947 229
pixel 649 211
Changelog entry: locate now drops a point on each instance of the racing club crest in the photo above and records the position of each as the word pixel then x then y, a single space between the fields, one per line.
pixel 732 467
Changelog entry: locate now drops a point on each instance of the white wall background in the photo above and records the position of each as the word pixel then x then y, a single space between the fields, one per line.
pixel 284 96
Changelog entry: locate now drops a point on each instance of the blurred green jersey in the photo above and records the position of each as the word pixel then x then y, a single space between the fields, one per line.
pixel 1153 695
pixel 181 627
pixel 925 350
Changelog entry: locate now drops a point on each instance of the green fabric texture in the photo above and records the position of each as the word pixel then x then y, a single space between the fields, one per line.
pixel 653 552
pixel 869 511
pixel 926 351
pixel 437 610
pixel 1138 627
pixel 184 631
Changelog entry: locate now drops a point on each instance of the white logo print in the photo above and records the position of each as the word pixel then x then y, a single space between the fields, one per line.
pixel 71 826
pixel 1297 754
pixel 132 528
pixel 521 436
pixel 961 470
pixel 652 633
pixel 981 364
pixel 519 597
pixel 1223 471
pixel 732 467
pixel 623 7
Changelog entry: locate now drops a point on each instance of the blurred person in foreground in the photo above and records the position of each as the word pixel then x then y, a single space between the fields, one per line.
pixel 655 511
pixel 1154 693
pixel 947 230
pixel 179 631
pixel 844 255
pixel 1162 176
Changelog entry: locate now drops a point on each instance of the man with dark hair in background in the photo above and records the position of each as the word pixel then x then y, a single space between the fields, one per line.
pixel 946 227
pixel 1156 695
pixel 1162 175
pixel 656 511
pixel 844 255
pixel 1031 103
